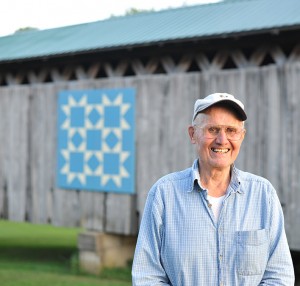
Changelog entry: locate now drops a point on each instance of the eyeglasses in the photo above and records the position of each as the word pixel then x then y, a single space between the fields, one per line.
pixel 232 133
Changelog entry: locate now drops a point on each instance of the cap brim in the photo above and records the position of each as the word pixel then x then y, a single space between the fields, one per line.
pixel 238 110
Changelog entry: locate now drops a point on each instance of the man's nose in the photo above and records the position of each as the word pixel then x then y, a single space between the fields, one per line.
pixel 221 137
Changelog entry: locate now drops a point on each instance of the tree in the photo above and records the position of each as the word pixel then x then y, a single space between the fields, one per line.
pixel 25 29
pixel 133 11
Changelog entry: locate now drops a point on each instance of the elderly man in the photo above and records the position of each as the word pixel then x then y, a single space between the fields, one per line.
pixel 213 224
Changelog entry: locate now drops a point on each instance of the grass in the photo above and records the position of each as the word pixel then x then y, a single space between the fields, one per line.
pixel 34 254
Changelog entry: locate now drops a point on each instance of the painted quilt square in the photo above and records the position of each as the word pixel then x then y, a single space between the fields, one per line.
pixel 96 130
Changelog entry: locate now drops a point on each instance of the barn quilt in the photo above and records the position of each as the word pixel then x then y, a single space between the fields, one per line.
pixel 96 135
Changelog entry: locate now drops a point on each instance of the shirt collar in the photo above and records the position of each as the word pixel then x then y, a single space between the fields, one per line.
pixel 195 177
pixel 234 186
pixel 235 182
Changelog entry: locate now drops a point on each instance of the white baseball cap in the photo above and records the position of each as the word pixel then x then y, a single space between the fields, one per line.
pixel 212 99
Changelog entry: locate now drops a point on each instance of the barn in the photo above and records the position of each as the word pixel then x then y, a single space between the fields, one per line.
pixel 130 82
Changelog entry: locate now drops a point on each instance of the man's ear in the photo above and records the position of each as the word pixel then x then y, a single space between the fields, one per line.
pixel 191 131
pixel 244 135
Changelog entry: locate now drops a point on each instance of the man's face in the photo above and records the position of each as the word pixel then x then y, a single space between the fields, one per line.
pixel 219 152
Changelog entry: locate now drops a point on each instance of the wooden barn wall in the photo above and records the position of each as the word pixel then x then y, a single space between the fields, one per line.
pixel 164 105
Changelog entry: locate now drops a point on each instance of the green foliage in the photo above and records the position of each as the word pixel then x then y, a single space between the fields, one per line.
pixel 32 255
pixel 25 29
pixel 133 11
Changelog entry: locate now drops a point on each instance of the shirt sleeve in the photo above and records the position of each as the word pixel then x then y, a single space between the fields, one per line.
pixel 147 268
pixel 279 270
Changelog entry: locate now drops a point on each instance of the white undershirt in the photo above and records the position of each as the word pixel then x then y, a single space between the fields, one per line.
pixel 216 204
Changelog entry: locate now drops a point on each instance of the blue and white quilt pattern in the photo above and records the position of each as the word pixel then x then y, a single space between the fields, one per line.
pixel 96 140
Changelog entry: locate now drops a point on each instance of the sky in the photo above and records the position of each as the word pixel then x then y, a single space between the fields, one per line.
pixel 47 14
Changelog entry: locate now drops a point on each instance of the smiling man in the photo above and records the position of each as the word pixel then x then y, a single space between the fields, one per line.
pixel 213 224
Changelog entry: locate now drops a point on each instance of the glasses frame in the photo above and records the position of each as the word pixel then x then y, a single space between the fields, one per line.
pixel 241 131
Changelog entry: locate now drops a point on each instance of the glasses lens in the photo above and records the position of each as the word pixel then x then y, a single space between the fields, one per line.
pixel 212 131
pixel 233 133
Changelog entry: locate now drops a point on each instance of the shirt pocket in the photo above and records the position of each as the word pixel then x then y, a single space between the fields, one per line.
pixel 252 251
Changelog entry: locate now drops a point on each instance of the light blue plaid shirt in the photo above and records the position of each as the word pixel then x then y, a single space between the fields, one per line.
pixel 181 244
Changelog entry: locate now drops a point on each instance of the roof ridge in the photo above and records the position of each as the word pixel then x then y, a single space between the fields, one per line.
pixel 136 15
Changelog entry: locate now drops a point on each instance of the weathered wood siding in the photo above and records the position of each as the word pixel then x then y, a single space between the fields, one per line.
pixel 164 105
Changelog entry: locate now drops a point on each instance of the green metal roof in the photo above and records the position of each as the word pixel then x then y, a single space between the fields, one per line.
pixel 192 22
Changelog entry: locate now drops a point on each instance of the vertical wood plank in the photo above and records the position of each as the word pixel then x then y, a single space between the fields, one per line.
pixel 17 152
pixel 273 124
pixel 42 152
pixel 92 210
pixel 5 108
